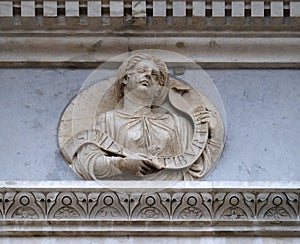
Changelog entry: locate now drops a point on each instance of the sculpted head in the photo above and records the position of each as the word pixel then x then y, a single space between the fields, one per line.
pixel 142 75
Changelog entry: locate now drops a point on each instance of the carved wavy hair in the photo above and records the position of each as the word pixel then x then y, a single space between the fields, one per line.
pixel 132 61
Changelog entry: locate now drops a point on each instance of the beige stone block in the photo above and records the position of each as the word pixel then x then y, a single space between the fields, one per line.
pixel 94 8
pixel 159 8
pixel 295 9
pixel 238 8
pixel 198 8
pixel 139 9
pixel 276 9
pixel 218 8
pixel 72 8
pixel 6 8
pixel 116 8
pixel 27 8
pixel 179 8
pixel 50 8
pixel 257 9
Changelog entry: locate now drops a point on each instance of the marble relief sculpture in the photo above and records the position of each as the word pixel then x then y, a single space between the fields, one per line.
pixel 159 129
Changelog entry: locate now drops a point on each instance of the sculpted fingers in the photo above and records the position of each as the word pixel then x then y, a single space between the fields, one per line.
pixel 203 116
pixel 206 116
pixel 148 167
pixel 143 170
pixel 153 164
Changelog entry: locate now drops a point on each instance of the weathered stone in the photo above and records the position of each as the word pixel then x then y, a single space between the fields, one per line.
pixel 151 126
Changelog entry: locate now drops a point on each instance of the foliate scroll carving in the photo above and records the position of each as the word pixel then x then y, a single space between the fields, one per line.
pixel 65 206
pixel 8 201
pixel 250 199
pixel 150 206
pixel 25 205
pixel 82 200
pixel 293 200
pixel 276 206
pixel 166 205
pixel 208 202
pixel 191 206
pixel 109 205
pixel 92 201
pixel 232 206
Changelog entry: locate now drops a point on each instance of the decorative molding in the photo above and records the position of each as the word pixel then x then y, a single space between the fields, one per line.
pixel 214 33
pixel 144 208
pixel 198 15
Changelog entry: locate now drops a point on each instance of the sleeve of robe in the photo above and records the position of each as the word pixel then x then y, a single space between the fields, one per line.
pixel 209 156
pixel 92 163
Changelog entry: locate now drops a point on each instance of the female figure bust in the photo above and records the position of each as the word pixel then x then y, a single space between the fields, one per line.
pixel 149 137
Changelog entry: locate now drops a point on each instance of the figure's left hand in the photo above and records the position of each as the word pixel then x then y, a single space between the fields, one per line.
pixel 210 117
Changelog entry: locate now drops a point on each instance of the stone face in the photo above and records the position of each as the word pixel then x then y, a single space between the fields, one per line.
pixel 151 126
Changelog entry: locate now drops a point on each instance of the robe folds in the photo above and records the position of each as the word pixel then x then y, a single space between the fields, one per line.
pixel 155 134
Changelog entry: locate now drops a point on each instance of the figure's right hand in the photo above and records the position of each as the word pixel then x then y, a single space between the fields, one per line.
pixel 138 164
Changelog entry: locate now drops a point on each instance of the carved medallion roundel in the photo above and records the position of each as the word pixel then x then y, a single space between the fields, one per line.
pixel 142 122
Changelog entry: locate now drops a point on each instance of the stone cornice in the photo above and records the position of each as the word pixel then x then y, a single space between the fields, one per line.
pixel 149 208
pixel 86 33
pixel 89 51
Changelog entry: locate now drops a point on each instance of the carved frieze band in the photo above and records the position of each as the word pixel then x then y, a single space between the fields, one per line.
pixel 110 205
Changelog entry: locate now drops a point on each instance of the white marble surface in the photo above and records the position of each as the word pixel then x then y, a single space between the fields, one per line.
pixel 275 186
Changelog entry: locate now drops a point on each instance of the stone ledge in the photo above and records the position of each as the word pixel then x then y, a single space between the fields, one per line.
pixel 148 228
pixel 183 209
pixel 89 51
pixel 133 186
